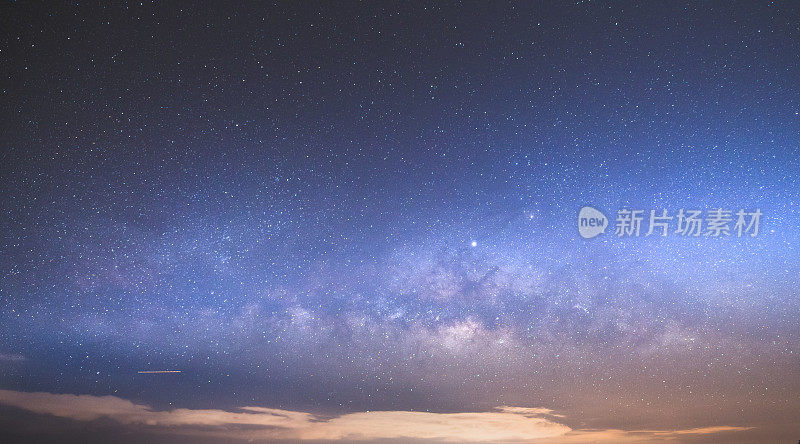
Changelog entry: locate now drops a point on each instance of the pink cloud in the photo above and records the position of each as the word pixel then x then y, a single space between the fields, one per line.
pixel 504 424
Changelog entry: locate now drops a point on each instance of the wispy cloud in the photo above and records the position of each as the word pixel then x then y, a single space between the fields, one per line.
pixel 504 424
pixel 618 436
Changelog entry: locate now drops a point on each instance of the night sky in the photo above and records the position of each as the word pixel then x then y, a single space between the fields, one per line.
pixel 359 221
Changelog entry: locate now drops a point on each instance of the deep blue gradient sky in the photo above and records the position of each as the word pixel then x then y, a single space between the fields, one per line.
pixel 281 201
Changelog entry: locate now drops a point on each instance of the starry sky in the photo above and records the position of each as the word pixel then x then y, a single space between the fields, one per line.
pixel 358 221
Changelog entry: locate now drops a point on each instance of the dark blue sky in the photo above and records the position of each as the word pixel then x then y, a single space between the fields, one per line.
pixel 341 208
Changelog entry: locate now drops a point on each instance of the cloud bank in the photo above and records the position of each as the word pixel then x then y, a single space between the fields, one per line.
pixel 504 424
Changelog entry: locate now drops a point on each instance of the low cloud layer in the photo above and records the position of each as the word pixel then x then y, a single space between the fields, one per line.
pixel 504 424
